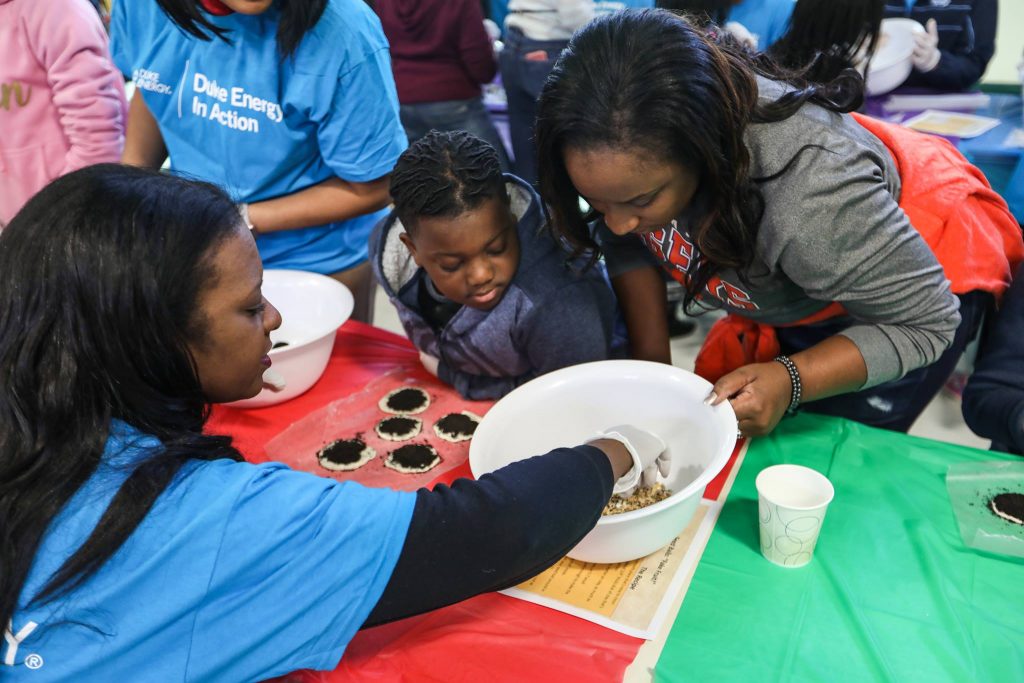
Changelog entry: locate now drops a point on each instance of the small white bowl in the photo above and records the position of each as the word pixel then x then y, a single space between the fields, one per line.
pixel 312 307
pixel 892 62
pixel 570 406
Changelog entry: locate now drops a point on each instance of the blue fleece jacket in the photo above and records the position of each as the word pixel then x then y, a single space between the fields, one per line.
pixel 993 401
pixel 551 316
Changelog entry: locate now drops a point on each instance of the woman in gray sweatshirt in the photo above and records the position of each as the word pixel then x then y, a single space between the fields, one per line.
pixel 767 199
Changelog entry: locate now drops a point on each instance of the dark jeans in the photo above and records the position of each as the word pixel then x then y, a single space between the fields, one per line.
pixel 893 405
pixel 468 115
pixel 523 79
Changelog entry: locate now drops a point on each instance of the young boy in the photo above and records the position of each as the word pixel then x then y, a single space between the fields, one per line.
pixel 482 289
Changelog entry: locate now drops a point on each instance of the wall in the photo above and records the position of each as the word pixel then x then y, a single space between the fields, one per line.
pixel 1009 43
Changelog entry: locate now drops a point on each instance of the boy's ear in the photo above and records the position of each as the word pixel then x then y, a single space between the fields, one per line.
pixel 410 245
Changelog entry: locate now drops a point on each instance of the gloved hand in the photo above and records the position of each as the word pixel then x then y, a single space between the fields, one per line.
pixel 649 457
pixel 492 29
pixel 742 35
pixel 429 363
pixel 926 48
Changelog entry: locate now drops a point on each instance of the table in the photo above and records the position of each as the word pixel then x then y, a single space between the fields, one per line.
pixel 1002 165
pixel 892 593
pixel 491 637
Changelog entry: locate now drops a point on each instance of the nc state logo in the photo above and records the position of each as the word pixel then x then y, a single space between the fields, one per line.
pixel 676 253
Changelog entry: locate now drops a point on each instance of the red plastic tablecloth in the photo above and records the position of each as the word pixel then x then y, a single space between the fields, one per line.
pixel 491 637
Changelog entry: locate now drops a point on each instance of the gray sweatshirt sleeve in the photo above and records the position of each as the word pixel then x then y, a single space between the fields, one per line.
pixel 837 231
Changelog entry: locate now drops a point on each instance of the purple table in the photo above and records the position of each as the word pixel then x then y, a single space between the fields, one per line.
pixel 1002 165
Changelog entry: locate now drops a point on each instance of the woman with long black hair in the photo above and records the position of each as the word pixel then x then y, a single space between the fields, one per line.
pixel 825 37
pixel 288 105
pixel 136 547
pixel 766 198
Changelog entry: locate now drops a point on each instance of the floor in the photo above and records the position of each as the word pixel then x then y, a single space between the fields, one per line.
pixel 941 420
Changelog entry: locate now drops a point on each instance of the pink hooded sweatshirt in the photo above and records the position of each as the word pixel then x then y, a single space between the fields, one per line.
pixel 62 101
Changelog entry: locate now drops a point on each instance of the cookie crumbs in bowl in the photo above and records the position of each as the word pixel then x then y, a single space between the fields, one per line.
pixel 641 498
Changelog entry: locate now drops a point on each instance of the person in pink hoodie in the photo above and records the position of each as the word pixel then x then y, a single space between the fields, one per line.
pixel 62 101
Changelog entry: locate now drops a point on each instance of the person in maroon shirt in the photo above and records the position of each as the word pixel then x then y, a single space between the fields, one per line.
pixel 441 57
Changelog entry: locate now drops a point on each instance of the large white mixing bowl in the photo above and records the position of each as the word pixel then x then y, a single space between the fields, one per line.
pixel 570 406
pixel 892 63
pixel 312 307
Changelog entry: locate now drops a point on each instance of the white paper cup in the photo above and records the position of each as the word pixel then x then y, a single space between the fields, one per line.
pixel 791 504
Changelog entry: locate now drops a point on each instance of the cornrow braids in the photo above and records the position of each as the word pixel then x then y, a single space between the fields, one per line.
pixel 445 174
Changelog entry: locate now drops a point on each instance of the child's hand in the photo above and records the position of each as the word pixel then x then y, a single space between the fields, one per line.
pixel 759 394
pixel 429 363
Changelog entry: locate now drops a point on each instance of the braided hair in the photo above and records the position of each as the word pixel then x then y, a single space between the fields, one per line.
pixel 445 174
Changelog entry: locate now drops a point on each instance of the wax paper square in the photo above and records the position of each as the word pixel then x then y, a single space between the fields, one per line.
pixel 358 414
pixel 971 486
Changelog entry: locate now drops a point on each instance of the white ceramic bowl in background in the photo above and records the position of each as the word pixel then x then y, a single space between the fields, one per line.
pixel 570 406
pixel 892 63
pixel 312 307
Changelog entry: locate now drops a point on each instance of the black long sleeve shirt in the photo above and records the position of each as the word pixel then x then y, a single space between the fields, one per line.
pixel 967 39
pixel 480 536
pixel 993 402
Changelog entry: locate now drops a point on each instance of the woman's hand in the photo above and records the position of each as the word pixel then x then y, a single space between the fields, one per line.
pixel 759 393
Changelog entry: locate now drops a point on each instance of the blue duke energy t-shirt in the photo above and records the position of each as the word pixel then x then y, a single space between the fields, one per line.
pixel 239 115
pixel 239 572
pixel 766 19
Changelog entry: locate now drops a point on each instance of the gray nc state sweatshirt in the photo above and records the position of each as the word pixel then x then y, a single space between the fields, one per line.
pixel 832 230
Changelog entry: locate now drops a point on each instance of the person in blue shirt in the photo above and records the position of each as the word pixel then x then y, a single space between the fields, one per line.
pixel 138 547
pixel 495 10
pixel 609 6
pixel 756 24
pixel 290 107
pixel 766 20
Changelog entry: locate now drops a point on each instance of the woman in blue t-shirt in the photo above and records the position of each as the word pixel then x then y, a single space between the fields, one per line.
pixel 137 546
pixel 289 106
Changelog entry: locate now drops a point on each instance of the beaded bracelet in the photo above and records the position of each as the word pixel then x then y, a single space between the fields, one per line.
pixel 794 378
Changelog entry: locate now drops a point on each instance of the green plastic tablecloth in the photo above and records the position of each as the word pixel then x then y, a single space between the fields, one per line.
pixel 891 594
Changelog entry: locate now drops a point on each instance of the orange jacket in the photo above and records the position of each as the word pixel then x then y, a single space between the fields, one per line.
pixel 967 225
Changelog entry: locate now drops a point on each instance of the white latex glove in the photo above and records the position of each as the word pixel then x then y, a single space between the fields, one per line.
pixel 493 32
pixel 429 363
pixel 649 457
pixel 926 48
pixel 742 35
